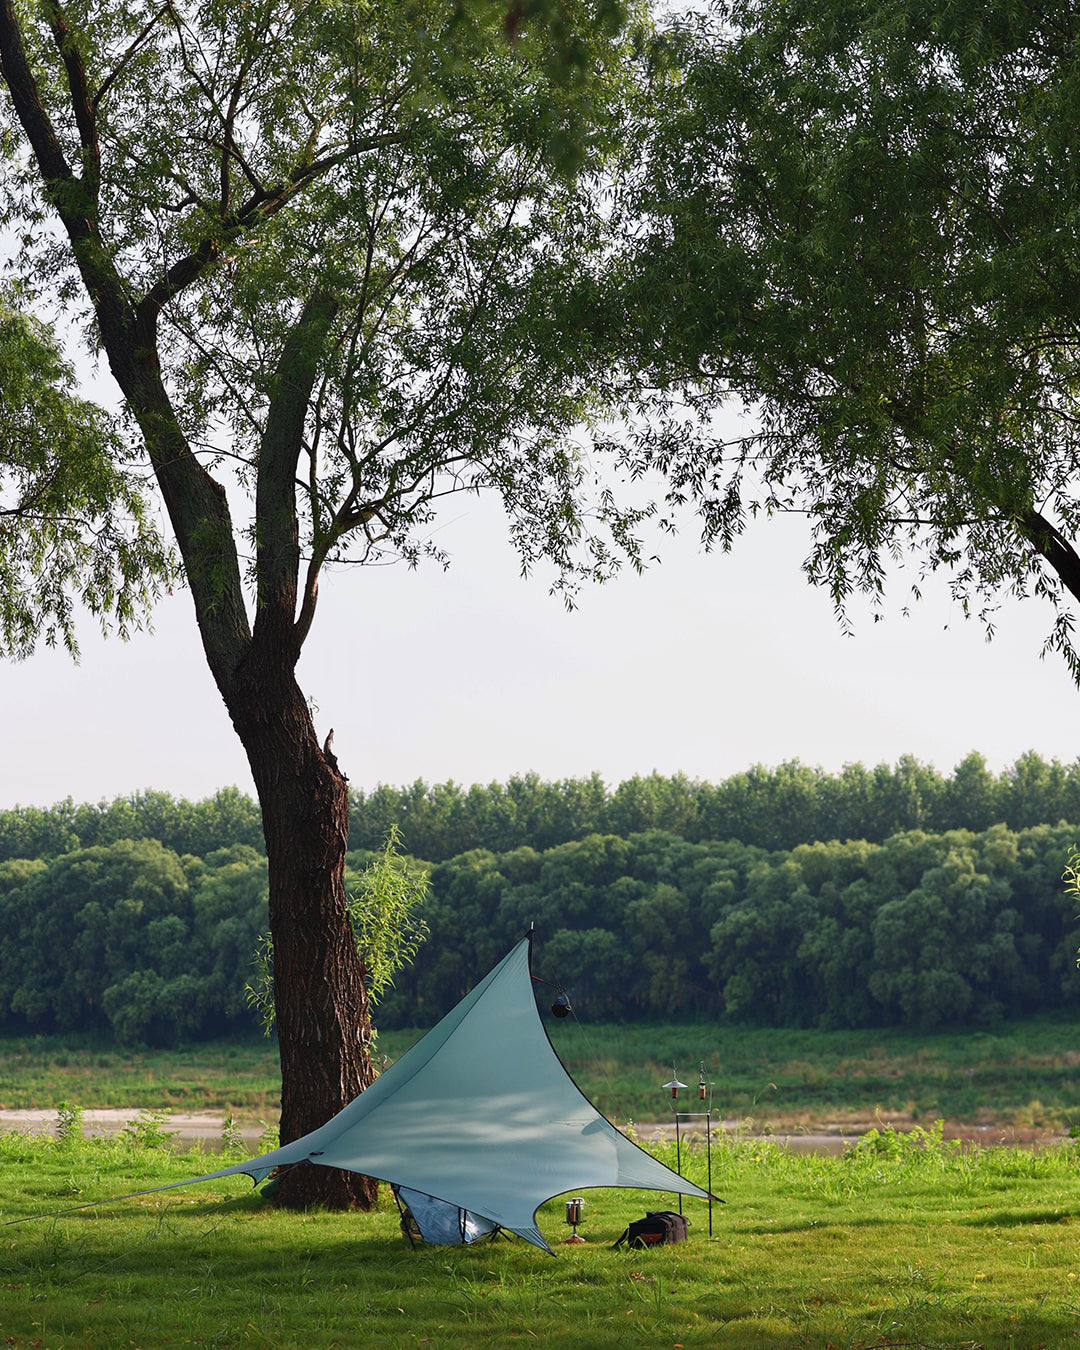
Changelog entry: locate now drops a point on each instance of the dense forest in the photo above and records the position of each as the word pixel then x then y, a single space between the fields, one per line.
pixel 938 900
pixel 771 808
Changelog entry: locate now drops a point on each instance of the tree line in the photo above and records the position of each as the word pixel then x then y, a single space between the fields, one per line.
pixel 921 930
pixel 767 807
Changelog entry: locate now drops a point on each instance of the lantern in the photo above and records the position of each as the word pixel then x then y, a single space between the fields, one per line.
pixel 574 1210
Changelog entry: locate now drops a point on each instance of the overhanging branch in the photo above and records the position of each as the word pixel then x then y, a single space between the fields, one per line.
pixel 1052 545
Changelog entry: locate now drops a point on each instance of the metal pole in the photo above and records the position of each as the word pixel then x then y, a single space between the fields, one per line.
pixel 678 1154
pixel 708 1154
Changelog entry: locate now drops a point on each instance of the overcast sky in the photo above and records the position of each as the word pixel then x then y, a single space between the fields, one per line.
pixel 707 664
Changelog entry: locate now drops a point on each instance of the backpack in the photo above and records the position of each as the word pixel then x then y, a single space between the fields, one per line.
pixel 656 1228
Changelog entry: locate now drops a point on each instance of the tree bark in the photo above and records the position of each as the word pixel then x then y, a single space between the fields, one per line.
pixel 321 1004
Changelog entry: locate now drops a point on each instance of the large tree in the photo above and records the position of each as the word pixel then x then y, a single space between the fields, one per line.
pixel 861 220
pixel 337 256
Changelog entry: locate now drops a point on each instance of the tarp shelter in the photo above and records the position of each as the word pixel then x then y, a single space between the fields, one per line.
pixel 481 1115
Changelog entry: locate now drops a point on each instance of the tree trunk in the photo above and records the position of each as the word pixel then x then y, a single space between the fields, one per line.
pixel 321 1005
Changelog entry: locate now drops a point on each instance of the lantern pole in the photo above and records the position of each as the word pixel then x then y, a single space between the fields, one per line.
pixel 671 1092
pixel 708 1135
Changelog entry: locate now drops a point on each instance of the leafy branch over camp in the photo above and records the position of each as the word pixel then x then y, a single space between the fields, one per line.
pixel 332 255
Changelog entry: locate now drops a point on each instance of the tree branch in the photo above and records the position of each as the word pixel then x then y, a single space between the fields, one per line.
pixel 261 205
pixel 277 547
pixel 28 102
pixel 82 105
pixel 196 503
pixel 1051 545
pixel 117 70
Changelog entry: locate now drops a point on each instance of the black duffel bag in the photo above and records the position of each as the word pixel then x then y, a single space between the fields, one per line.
pixel 656 1228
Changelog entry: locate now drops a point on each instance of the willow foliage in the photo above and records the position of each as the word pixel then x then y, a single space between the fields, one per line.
pixel 859 220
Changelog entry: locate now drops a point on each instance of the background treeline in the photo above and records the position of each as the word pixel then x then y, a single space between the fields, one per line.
pixel 770 808
pixel 920 930
pixel 129 937
pixel 199 828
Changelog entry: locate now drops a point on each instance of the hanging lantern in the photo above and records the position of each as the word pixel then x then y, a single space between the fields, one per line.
pixel 702 1087
pixel 673 1088
pixel 561 1006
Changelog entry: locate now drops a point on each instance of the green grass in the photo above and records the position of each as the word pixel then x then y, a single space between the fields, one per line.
pixel 40 1071
pixel 907 1242
pixel 1023 1073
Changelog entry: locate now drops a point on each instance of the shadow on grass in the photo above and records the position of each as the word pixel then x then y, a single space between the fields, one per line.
pixel 1011 1218
pixel 809 1225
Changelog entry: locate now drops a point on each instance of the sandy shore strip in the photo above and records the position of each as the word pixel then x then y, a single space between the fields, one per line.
pixel 830 1139
pixel 187 1128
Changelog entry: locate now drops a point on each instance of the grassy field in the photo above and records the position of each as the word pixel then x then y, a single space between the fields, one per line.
pixel 1018 1075
pixel 904 1242
pixel 1024 1074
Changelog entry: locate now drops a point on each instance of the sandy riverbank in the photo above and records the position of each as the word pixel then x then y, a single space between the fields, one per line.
pixel 189 1129
pixel 826 1138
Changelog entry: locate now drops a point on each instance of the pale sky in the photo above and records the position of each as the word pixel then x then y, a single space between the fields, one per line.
pixel 707 664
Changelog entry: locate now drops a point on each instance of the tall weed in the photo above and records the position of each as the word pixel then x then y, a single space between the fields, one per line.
pixel 149 1130
pixel 69 1123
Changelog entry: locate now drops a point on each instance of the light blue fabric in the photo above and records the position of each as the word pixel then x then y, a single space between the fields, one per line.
pixel 481 1115
pixel 441 1224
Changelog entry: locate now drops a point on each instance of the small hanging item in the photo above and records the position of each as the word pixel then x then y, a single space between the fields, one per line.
pixel 673 1087
pixel 561 1006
